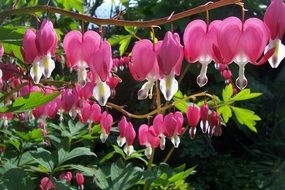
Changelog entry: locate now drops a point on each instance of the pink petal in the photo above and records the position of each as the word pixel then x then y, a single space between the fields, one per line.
pixel 29 49
pixel 95 114
pixel 46 39
pixel 158 124
pixel 170 54
pixel 194 40
pixel 106 122
pixel 143 134
pixel 130 134
pixel 254 38
pixel 122 126
pixel 143 59
pixel 274 18
pixel 193 115
pixel 228 38
pixel 101 61
pixel 72 44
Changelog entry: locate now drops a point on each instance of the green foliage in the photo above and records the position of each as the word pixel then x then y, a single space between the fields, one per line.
pixel 225 106
pixel 29 102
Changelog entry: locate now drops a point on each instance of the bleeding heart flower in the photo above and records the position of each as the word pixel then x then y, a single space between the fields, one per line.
pixel 144 66
pixel 79 180
pixel 204 111
pixel 198 41
pixel 6 117
pixel 242 43
pixel 46 184
pixel 127 135
pixel 215 122
pixel 106 123
pixel 148 138
pixel 173 127
pixel 67 176
pixel 169 58
pixel 101 65
pixel 38 48
pixel 79 50
pixel 90 113
pixel 159 129
pixel 193 116
pixel 274 18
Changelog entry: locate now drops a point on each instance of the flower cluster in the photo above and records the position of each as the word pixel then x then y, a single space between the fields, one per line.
pixel 222 41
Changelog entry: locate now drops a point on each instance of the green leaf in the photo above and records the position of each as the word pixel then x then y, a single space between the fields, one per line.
pixel 12 35
pixel 132 30
pixel 64 156
pixel 124 44
pixel 245 94
pixel 122 40
pixel 86 171
pixel 228 92
pixel 119 151
pixel 182 175
pixel 226 112
pixel 29 102
pixel 246 117
pixel 72 4
pixel 181 105
pixel 44 158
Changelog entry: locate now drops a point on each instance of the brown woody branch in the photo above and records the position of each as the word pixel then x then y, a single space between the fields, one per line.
pixel 99 21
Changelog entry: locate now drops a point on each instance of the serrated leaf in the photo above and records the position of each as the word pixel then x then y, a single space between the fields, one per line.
pixel 227 92
pixel 31 101
pixel 245 94
pixel 246 117
pixel 226 112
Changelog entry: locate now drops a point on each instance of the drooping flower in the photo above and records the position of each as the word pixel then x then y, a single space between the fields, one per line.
pixel 67 176
pixel 113 82
pixel 173 127
pixel 198 41
pixel 242 43
pixel 79 49
pixel 144 66
pixel 46 42
pixel 274 18
pixel 148 138
pixel 106 123
pixel 193 116
pixel 79 180
pixel 204 124
pixel 159 129
pixel 101 65
pixel 6 117
pixel 127 135
pixel 90 113
pixel 169 58
pixel 46 184
pixel 214 122
pixel 38 48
